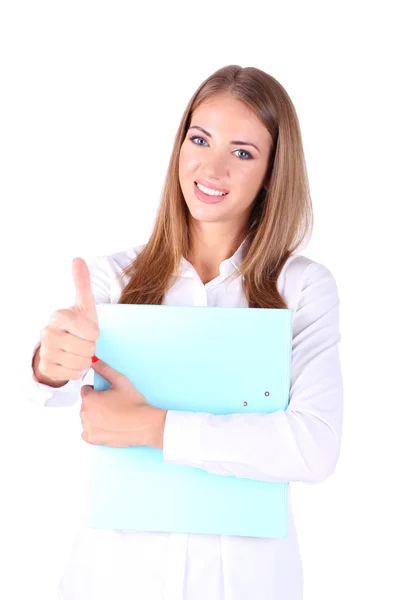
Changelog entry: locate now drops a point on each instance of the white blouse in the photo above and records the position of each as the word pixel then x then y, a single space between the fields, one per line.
pixel 299 444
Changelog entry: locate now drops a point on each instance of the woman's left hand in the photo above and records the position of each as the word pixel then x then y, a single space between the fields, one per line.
pixel 120 416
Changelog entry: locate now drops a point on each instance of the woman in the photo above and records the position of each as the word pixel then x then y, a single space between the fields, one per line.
pixel 234 210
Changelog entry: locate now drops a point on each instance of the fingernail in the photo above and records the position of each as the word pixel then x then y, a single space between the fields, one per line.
pixel 94 359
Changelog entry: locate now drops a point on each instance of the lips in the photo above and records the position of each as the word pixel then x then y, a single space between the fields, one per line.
pixel 212 186
pixel 205 198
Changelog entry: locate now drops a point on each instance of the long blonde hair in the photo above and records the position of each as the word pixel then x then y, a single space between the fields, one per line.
pixel 280 220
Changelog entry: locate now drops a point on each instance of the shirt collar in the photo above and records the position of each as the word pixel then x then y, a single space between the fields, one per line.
pixel 226 268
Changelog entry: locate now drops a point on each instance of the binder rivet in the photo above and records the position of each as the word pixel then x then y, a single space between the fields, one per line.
pixel 266 394
pixel 244 403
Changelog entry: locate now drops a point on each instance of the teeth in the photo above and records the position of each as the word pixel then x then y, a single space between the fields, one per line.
pixel 208 191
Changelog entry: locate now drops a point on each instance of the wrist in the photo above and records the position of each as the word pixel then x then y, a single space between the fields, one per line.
pixel 38 375
pixel 157 417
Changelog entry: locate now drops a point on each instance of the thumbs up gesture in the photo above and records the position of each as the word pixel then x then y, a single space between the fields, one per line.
pixel 67 343
pixel 85 303
pixel 118 417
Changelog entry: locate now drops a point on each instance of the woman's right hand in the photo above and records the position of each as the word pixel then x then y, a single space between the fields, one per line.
pixel 67 343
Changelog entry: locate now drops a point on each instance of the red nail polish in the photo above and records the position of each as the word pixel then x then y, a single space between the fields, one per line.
pixel 94 359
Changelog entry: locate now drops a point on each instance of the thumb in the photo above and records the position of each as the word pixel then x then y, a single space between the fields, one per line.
pixel 115 378
pixel 85 302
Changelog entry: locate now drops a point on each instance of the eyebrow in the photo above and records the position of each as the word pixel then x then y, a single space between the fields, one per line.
pixel 236 142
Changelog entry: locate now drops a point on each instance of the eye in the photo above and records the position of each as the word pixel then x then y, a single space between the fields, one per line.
pixel 247 156
pixel 197 137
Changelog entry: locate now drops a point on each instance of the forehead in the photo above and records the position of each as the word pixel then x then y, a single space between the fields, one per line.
pixel 223 114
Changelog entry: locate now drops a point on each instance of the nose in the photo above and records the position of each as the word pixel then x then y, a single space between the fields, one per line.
pixel 215 168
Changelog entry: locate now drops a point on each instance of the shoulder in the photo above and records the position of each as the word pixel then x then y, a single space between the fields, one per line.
pixel 305 280
pixel 118 261
pixel 106 272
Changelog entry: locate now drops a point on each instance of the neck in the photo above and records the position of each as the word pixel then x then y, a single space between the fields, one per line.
pixel 210 244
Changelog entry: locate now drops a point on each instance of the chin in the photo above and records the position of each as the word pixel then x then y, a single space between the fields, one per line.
pixel 204 214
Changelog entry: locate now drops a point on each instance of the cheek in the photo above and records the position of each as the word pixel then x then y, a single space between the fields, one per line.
pixel 181 162
pixel 250 180
pixel 187 161
pixel 183 157
pixel 183 167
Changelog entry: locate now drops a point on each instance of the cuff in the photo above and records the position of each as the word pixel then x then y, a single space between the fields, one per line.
pixel 182 438
pixel 41 394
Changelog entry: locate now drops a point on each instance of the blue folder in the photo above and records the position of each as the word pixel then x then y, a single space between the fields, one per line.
pixel 191 358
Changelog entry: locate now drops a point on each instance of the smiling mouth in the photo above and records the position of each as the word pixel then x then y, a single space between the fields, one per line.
pixel 208 198
pixel 212 192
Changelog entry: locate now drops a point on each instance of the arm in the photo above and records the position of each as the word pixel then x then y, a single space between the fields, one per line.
pixel 299 444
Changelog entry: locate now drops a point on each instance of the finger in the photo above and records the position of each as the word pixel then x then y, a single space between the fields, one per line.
pixel 85 301
pixel 58 372
pixel 113 376
pixel 51 355
pixel 86 438
pixel 87 395
pixel 57 340
pixel 86 391
pixel 75 323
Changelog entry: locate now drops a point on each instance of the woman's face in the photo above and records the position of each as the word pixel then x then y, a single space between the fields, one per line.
pixel 227 149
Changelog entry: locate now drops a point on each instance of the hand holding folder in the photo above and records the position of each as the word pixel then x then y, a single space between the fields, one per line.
pixel 202 359
pixel 120 416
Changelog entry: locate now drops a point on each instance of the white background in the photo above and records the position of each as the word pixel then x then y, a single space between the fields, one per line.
pixel 91 97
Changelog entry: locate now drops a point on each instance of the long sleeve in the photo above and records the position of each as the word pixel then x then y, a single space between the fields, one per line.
pixel 69 394
pixel 301 443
